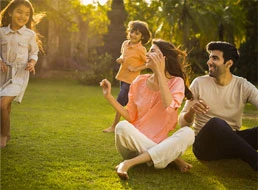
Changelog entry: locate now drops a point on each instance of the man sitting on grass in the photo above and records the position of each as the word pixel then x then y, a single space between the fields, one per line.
pixel 217 108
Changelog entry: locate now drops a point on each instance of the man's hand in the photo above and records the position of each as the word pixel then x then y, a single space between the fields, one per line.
pixel 200 107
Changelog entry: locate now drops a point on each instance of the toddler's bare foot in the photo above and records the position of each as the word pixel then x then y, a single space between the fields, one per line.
pixel 109 130
pixel 182 165
pixel 4 140
pixel 121 171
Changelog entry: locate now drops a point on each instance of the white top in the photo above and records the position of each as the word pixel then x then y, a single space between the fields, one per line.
pixel 16 49
pixel 225 102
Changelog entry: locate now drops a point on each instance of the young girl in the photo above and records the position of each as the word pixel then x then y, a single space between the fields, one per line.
pixel 152 111
pixel 132 60
pixel 19 54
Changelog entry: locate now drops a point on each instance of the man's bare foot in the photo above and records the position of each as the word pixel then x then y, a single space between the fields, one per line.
pixel 4 140
pixel 121 171
pixel 182 165
pixel 109 130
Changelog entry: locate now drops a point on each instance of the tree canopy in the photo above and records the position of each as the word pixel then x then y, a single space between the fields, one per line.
pixel 77 34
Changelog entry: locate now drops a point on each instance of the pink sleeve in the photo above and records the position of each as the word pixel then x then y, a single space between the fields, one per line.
pixel 131 107
pixel 177 89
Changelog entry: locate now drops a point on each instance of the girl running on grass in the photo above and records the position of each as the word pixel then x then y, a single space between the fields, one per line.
pixel 19 54
pixel 132 61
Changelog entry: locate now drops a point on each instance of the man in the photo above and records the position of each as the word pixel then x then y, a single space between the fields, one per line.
pixel 217 107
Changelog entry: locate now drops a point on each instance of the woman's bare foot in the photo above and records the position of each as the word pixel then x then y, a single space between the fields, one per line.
pixel 109 130
pixel 182 165
pixel 121 171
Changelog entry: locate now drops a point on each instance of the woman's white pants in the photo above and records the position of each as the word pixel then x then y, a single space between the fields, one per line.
pixel 130 142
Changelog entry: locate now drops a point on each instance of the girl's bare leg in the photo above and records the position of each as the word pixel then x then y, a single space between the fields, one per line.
pixel 5 104
pixel 112 128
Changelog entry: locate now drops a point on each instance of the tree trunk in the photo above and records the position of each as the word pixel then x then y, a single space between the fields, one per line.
pixel 53 38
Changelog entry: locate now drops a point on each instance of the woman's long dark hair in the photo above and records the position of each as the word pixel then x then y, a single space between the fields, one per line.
pixel 175 62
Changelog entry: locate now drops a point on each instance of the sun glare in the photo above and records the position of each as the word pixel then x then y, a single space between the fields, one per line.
pixel 101 2
pixel 87 2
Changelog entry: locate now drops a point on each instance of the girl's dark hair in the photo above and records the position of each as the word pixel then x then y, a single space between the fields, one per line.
pixel 174 62
pixel 142 27
pixel 6 19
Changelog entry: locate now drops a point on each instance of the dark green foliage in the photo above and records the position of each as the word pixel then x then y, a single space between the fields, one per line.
pixel 72 31
pixel 101 67
pixel 248 63
pixel 116 32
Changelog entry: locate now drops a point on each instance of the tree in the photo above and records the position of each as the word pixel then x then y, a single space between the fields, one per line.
pixel 72 31
pixel 193 23
pixel 116 32
pixel 248 63
pixel 3 4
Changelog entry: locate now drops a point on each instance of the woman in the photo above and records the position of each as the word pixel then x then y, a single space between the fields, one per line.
pixel 152 111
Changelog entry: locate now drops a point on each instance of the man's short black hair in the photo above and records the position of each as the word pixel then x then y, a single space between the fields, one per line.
pixel 230 52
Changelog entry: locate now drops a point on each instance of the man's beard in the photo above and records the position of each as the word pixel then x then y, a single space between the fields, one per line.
pixel 212 74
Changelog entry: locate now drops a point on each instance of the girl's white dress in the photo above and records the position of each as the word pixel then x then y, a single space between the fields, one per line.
pixel 16 49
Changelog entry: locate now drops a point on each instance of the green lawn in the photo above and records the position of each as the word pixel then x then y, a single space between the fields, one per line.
pixel 57 143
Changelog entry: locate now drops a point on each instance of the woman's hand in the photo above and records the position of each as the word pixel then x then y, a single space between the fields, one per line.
pixel 31 66
pixel 4 67
pixel 106 87
pixel 156 61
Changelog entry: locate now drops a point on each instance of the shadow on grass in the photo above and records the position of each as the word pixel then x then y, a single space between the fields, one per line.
pixel 222 174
